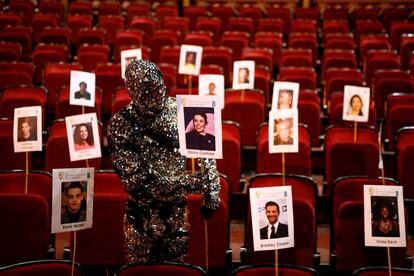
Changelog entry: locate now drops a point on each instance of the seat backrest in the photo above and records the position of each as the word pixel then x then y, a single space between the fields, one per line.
pixel 25 228
pixel 10 160
pixel 405 153
pixel 305 239
pixel 39 183
pixel 247 109
pixel 269 269
pixel 108 78
pixel 344 157
pixel 168 268
pixel 399 113
pixel 57 150
pixel 295 162
pixel 351 253
pixel 218 226
pixel 230 165
pixel 382 271
pixel 107 239
pixel 42 268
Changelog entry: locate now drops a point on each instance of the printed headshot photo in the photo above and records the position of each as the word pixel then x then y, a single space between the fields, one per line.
pixel 274 228
pixel 190 60
pixel 82 88
pixel 27 129
pixel 127 56
pixel 83 136
pixel 384 216
pixel 271 211
pixel 82 93
pixel 356 103
pixel 283 133
pixel 243 74
pixel 199 133
pixel 73 202
pixel 285 95
pixel 212 85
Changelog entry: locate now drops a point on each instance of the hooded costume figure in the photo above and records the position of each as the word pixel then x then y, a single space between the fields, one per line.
pixel 144 149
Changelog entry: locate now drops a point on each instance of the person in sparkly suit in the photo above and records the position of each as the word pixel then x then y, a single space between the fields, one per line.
pixel 144 149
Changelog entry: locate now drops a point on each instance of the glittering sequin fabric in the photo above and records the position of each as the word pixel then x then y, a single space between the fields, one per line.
pixel 143 143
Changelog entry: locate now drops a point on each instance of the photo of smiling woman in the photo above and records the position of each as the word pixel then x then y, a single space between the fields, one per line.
pixel 197 137
pixel 355 106
pixel 83 137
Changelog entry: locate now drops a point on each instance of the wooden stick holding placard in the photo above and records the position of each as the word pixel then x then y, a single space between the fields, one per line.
pixel 283 169
pixel 190 84
pixel 242 95
pixel 276 262
pixel 206 241
pixel 389 262
pixel 26 182
pixel 355 131
pixel 74 253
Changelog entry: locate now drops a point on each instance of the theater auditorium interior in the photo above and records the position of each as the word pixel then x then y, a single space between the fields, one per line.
pixel 321 45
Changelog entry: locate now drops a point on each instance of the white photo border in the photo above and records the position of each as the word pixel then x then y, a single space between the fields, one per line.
pixel 386 192
pixel 199 102
pixel 364 94
pixel 28 112
pixel 87 153
pixel 237 65
pixel 76 78
pixel 294 133
pixel 198 50
pixel 282 195
pixel 284 85
pixel 71 175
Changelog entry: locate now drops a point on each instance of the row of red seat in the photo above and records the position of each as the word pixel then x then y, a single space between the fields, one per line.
pixel 102 245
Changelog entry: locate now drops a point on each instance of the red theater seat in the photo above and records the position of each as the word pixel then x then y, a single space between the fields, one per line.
pixel 344 157
pixel 57 75
pixel 269 269
pixel 173 269
pixel 305 76
pixel 212 25
pixel 21 96
pixel 120 100
pixel 64 108
pixel 382 271
pixel 91 55
pixel 47 53
pixel 309 114
pixel 388 81
pixel 336 109
pixel 337 78
pixel 218 230
pixel 10 51
pixel 379 59
pixel 42 268
pixel 236 41
pixel 199 38
pixel 10 19
pixel 112 24
pixel 90 36
pixel 10 160
pixel 230 165
pixel 56 35
pixel 146 25
pixel 19 34
pixel 295 163
pixel 273 41
pixel 25 228
pixel 76 23
pixel 193 13
pixel 108 78
pixel 40 21
pixel 221 56
pixel 290 57
pixel 304 235
pixel 160 39
pixel 16 73
pixel 246 108
pixel 280 12
pixel 138 9
pixel 399 113
pixel 57 150
pixel 405 153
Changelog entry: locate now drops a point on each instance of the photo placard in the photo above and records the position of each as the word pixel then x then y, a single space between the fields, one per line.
pixel 356 103
pixel 243 74
pixel 190 60
pixel 212 85
pixel 82 88
pixel 83 136
pixel 27 129
pixel 199 126
pixel 272 218
pixel 127 56
pixel 283 131
pixel 72 201
pixel 285 95
pixel 384 221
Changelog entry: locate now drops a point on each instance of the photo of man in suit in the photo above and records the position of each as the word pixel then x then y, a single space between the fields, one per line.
pixel 274 229
pixel 82 93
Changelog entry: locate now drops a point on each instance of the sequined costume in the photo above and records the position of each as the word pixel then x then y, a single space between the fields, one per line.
pixel 143 143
